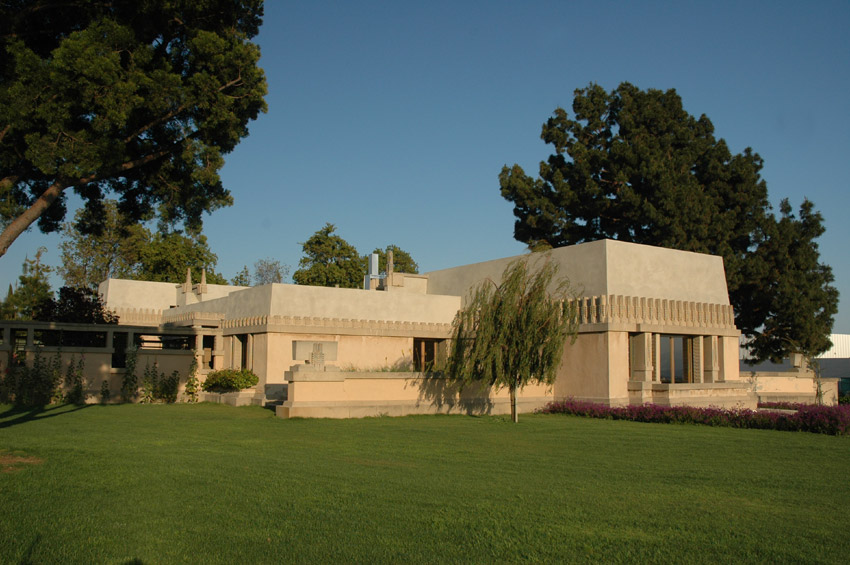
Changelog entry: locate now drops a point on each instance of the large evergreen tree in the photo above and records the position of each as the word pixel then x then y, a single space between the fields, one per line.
pixel 633 165
pixel 140 99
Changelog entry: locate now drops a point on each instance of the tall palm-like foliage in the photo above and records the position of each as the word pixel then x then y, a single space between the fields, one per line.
pixel 513 333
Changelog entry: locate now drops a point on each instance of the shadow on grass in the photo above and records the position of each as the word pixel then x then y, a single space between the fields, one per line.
pixel 26 559
pixel 22 415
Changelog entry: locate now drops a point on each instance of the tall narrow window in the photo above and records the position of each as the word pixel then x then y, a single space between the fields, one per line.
pixel 119 350
pixel 425 353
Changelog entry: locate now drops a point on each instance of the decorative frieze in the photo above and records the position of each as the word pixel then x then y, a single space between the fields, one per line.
pixel 618 309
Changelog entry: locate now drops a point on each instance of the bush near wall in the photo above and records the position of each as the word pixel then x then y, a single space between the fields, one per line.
pixel 230 380
pixel 832 420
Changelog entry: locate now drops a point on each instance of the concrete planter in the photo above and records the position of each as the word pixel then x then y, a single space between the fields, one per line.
pixel 241 398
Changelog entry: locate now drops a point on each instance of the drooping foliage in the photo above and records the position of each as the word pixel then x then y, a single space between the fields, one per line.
pixel 138 99
pixel 513 333
pixel 633 165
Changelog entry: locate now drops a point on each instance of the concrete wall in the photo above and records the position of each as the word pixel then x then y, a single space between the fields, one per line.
pixel 791 386
pixel 610 267
pixel 98 368
pixel 120 293
pixel 595 369
pixel 355 395
pixel 338 303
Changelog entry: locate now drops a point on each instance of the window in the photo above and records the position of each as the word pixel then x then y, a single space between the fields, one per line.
pixel 209 346
pixel 676 359
pixel 165 341
pixel 68 338
pixel 426 353
pixel 119 350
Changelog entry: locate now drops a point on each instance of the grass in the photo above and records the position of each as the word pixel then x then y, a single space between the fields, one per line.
pixel 214 484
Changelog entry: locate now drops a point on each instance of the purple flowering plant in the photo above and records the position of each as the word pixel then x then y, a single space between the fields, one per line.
pixel 832 420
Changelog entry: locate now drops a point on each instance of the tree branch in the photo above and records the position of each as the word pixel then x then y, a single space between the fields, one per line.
pixel 151 124
pixel 235 82
pixel 20 224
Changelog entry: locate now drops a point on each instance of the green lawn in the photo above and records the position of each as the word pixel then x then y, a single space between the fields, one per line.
pixel 214 484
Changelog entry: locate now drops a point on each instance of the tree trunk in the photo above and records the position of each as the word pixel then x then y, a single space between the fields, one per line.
pixel 514 417
pixel 25 220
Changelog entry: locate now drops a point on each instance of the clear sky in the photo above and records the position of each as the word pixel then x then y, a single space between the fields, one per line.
pixel 392 119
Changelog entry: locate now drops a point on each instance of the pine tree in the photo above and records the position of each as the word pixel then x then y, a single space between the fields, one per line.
pixel 633 165
pixel 138 99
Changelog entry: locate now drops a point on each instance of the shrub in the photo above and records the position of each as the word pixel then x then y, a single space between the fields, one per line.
pixel 166 389
pixel 156 387
pixel 782 405
pixel 229 380
pixel 833 420
pixel 192 385
pixel 129 382
pixel 75 382
pixel 36 385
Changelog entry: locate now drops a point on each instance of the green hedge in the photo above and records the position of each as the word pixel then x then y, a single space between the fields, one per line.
pixel 229 380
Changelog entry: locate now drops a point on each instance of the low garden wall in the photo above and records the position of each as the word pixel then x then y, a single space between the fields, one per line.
pixel 343 394
pixel 793 386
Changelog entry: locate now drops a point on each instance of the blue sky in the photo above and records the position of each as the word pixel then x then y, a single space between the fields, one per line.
pixel 392 120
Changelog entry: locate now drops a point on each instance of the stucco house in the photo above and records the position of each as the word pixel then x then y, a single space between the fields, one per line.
pixel 655 326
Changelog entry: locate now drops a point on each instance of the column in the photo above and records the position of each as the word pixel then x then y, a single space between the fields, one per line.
pixel 697 358
pixel 656 358
pixel 218 353
pixel 641 354
pixel 249 354
pixel 710 359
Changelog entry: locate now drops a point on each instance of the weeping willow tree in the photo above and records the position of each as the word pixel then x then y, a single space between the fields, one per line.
pixel 513 333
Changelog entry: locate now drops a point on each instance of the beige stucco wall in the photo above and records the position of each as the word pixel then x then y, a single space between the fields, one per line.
pixel 729 363
pixel 120 293
pixel 338 303
pixel 595 368
pixel 791 386
pixel 274 351
pixel 349 395
pixel 98 368
pixel 657 272
pixel 607 267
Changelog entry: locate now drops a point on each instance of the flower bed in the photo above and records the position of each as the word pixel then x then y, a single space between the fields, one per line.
pixel 833 420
